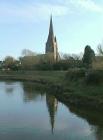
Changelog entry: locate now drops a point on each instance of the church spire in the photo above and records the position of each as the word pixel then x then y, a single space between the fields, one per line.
pixel 51 32
pixel 51 44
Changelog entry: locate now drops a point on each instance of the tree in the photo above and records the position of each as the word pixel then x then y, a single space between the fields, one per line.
pixel 1 63
pixel 100 49
pixel 27 52
pixel 88 57
pixel 9 63
pixel 28 62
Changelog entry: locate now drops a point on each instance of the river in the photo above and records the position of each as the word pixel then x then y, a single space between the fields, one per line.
pixel 28 113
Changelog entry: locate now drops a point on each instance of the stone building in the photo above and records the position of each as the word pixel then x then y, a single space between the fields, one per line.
pixel 51 44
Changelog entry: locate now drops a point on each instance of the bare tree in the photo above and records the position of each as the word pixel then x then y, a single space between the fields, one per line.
pixel 100 49
pixel 27 52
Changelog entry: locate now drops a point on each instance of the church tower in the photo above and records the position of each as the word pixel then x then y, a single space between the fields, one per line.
pixel 51 44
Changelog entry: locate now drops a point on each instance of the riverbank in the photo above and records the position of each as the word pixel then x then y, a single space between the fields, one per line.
pixel 70 91
pixel 42 77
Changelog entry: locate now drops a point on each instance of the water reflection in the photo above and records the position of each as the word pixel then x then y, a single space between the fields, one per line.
pixel 99 133
pixel 30 92
pixel 92 117
pixel 9 88
pixel 52 105
pixel 24 113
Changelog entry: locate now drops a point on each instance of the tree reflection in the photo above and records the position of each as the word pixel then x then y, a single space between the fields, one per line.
pixel 9 90
pixel 94 118
pixel 9 87
pixel 99 133
pixel 30 92
pixel 52 105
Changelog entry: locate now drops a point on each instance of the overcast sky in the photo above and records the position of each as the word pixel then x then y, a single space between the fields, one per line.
pixel 24 25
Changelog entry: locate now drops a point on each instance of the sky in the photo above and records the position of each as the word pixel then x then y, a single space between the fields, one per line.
pixel 24 24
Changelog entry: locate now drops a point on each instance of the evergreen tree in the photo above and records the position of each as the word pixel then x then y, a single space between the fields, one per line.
pixel 88 57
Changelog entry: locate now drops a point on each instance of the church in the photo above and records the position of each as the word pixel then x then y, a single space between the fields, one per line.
pixel 51 44
pixel 51 54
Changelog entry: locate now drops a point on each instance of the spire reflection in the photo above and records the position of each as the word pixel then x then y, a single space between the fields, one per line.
pixel 52 105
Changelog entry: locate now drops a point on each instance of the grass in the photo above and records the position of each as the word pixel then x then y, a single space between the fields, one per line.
pixel 49 76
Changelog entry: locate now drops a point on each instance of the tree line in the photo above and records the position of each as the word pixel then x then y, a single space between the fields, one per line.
pixel 32 61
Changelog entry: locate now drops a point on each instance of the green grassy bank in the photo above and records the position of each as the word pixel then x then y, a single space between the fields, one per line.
pixel 36 76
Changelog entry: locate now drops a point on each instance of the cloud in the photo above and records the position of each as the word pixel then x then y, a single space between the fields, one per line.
pixel 31 12
pixel 88 5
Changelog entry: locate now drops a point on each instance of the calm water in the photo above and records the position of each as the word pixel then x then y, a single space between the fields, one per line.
pixel 30 114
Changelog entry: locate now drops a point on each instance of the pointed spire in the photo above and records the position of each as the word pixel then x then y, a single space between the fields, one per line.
pixel 51 44
pixel 51 32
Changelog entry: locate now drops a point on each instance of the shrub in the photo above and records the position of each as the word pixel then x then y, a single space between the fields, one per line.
pixel 94 77
pixel 75 74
